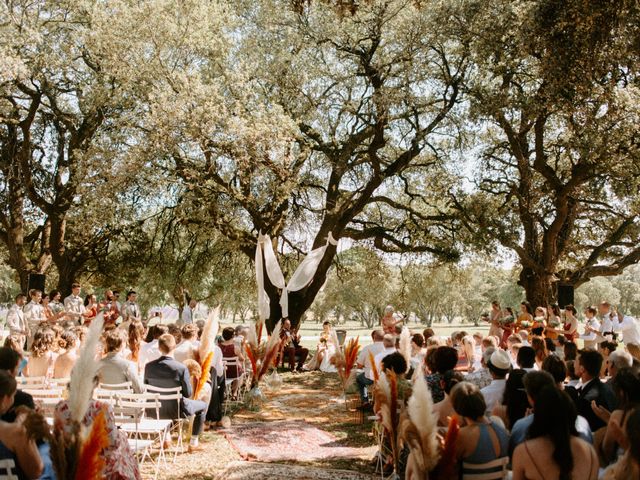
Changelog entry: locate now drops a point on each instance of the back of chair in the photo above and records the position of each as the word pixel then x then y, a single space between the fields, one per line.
pixel 493 470
pixel 126 386
pixel 170 398
pixel 137 405
pixel 31 382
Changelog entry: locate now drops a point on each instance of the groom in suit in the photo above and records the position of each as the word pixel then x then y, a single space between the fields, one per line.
pixel 166 372
pixel 590 388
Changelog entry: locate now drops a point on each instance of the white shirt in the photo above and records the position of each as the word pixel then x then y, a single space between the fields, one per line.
pixel 33 315
pixel 15 321
pixel 363 357
pixel 606 326
pixel 185 351
pixel 378 358
pixel 131 310
pixel 217 360
pixel 591 337
pixel 149 352
pixel 493 393
pixel 187 315
pixel 74 305
pixel 629 329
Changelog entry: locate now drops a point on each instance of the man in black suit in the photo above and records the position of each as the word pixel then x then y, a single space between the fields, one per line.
pixel 10 360
pixel 166 372
pixel 591 389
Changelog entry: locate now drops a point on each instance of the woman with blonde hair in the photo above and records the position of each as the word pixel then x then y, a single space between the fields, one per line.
pixel 42 357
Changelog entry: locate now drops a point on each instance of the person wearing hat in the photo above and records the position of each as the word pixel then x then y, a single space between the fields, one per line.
pixel 499 366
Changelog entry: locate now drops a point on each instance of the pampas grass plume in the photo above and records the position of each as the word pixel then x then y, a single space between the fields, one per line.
pixel 84 371
pixel 420 410
pixel 209 332
pixel 405 345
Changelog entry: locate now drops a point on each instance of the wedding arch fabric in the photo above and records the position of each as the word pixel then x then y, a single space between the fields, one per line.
pixel 266 260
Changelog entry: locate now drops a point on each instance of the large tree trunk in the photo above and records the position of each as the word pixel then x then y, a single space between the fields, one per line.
pixel 539 288
pixel 300 301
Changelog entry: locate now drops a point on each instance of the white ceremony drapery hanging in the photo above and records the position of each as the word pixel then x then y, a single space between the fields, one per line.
pixel 301 277
pixel 263 298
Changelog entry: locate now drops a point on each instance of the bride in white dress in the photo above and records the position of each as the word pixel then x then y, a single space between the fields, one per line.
pixel 324 352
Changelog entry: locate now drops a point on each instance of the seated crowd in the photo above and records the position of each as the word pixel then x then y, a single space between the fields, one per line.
pixel 545 407
pixel 130 351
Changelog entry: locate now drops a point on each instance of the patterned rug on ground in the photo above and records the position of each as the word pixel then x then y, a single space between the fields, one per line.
pixel 288 440
pixel 262 471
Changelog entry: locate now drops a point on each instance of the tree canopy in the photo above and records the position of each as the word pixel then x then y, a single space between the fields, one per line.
pixel 150 143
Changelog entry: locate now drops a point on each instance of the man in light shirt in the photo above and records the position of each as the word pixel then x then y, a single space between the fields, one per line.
pixel 130 310
pixel 34 313
pixel 74 305
pixel 188 312
pixel 630 334
pixel 606 323
pixel 389 343
pixel 187 348
pixel 591 329
pixel 365 378
pixel 15 320
pixel 499 366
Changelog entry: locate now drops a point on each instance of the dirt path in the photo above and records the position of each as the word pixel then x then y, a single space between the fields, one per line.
pixel 313 397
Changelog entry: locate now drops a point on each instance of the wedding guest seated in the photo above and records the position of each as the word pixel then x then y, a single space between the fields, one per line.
pixel 365 378
pixel 188 348
pixel 417 351
pixel 42 357
pixel 66 360
pixel 293 348
pixel 570 351
pixel 526 359
pixel 389 343
pixel 150 350
pixel 14 343
pixel 10 361
pixel 231 350
pixel 120 462
pixel 19 455
pixel 626 387
pixel 499 366
pixel 481 378
pixel 166 372
pixel 514 403
pixel 628 465
pixel 553 448
pixel 445 359
pixel 135 343
pixel 534 383
pixel 591 389
pixel 481 439
pixel 618 360
pixel 444 409
pixel 114 368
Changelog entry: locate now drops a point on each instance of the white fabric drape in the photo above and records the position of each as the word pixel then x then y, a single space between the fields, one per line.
pixel 263 298
pixel 301 277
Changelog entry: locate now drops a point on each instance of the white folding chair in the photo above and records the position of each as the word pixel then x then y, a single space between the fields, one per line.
pixel 126 386
pixel 32 383
pixel 233 387
pixel 46 398
pixel 143 433
pixel 494 470
pixel 60 382
pixel 168 394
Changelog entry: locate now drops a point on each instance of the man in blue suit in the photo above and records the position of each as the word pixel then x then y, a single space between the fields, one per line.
pixel 166 372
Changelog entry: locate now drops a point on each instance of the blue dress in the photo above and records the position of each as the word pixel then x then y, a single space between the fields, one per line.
pixel 484 452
